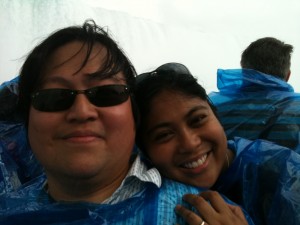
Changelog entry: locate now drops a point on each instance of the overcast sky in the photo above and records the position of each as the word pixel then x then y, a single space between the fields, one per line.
pixel 204 35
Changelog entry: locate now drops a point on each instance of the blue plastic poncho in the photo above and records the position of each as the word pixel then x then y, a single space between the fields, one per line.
pixel 153 205
pixel 9 91
pixel 17 162
pixel 254 105
pixel 265 179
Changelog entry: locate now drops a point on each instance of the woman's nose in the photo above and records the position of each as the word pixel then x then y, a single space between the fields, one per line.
pixel 190 140
pixel 82 109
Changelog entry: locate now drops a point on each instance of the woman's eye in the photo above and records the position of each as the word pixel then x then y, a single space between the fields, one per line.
pixel 197 120
pixel 162 136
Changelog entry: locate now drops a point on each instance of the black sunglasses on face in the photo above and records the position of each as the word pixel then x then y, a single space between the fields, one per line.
pixel 177 68
pixel 56 99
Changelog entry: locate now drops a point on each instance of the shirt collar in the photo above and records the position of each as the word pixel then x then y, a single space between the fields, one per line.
pixel 141 172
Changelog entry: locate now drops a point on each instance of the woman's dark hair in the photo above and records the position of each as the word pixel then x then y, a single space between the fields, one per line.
pixel 89 34
pixel 165 77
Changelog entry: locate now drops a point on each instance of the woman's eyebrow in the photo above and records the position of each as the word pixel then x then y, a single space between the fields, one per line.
pixel 55 79
pixel 158 126
pixel 195 109
pixel 98 75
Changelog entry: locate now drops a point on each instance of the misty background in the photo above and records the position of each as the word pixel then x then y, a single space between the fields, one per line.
pixel 203 35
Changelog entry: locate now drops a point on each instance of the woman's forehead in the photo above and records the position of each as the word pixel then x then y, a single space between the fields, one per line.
pixel 170 100
pixel 74 54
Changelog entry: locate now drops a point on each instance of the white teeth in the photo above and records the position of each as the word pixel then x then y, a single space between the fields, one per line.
pixel 197 163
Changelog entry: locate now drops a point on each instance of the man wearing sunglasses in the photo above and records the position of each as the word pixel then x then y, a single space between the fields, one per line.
pixel 75 97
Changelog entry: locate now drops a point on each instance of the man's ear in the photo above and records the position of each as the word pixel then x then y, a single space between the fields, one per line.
pixel 288 76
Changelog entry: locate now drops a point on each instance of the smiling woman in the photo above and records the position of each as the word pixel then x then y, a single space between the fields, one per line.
pixel 172 134
pixel 179 129
pixel 180 134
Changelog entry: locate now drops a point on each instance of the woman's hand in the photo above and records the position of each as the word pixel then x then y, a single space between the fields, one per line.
pixel 214 212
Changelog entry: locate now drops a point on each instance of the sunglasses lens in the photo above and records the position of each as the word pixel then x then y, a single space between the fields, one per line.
pixel 52 100
pixel 108 95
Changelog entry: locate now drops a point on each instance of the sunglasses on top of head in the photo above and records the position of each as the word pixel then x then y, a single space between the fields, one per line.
pixel 57 99
pixel 177 68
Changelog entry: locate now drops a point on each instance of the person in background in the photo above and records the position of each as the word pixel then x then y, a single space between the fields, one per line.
pixel 77 104
pixel 257 101
pixel 181 136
